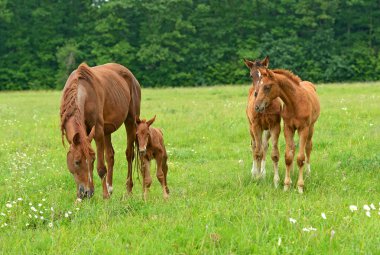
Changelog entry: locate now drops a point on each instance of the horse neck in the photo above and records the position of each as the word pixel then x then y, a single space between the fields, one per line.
pixel 290 92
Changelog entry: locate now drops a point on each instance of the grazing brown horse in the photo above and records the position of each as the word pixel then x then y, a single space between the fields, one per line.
pixel 267 122
pixel 95 102
pixel 301 111
pixel 150 142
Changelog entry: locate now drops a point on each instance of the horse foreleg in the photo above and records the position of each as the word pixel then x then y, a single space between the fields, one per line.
pixel 275 132
pixel 161 176
pixel 147 180
pixel 101 167
pixel 303 134
pixel 289 154
pixel 131 136
pixel 267 135
pixel 258 153
pixel 110 162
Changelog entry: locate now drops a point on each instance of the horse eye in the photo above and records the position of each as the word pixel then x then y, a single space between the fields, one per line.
pixel 266 89
pixel 77 162
pixel 255 93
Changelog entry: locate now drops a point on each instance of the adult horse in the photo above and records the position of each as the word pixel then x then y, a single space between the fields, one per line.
pixel 95 102
pixel 300 112
pixel 267 123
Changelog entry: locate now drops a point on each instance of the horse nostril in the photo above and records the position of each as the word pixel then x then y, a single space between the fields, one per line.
pixel 256 108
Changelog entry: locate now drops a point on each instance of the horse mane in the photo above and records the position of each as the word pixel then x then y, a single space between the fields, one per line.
pixel 289 75
pixel 69 106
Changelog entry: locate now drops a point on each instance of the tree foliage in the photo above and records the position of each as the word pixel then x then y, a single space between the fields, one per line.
pixel 187 42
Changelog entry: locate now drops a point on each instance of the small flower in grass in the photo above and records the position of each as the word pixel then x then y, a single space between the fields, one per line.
pixel 3 214
pixel 9 205
pixel 19 199
pixel 33 209
pixel 66 215
pixel 69 212
pixel 42 217
pixel 332 234
pixel 368 213
pixel 30 216
pixel 35 216
pixel 292 220
pixel 39 205
pixel 77 209
pixel 30 204
pixel 27 224
pixel 279 241
pixel 50 224
pixel 44 199
pixel 309 229
pixel 323 215
pixel 41 212
pixel 372 206
pixel 52 209
pixel 353 208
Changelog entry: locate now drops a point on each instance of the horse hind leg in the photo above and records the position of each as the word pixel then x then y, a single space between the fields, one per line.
pixel 275 153
pixel 131 136
pixel 303 134
pixel 309 148
pixel 162 170
pixel 110 162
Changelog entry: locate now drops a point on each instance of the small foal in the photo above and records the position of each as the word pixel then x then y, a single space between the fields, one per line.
pixel 150 143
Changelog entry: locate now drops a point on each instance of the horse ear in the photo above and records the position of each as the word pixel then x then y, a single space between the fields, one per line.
pixel 150 122
pixel 91 135
pixel 248 63
pixel 76 139
pixel 265 62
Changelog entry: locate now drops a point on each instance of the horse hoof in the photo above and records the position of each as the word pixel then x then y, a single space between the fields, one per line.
pixel 300 189
pixel 286 188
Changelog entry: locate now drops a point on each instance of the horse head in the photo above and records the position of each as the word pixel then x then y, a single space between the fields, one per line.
pixel 80 162
pixel 142 133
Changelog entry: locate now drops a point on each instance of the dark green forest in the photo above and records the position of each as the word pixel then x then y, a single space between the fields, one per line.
pixel 187 42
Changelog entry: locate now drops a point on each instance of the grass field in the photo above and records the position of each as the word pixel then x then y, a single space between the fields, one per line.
pixel 215 207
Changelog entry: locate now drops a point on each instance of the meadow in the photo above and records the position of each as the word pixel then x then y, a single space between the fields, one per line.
pixel 215 207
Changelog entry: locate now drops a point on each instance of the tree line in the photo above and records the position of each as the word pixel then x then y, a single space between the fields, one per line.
pixel 187 42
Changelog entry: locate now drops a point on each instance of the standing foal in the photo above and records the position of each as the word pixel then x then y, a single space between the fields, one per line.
pixel 150 144
pixel 301 111
pixel 267 122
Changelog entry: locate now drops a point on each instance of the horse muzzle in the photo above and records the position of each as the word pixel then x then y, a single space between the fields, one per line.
pixel 85 192
pixel 260 107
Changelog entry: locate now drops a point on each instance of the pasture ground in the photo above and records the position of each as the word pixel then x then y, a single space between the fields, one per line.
pixel 215 207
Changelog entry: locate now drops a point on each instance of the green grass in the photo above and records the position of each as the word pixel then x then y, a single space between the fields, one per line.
pixel 215 207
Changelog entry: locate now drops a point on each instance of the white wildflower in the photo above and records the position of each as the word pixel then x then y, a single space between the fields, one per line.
pixel 309 229
pixel 50 225
pixel 30 204
pixel 366 207
pixel 33 209
pixel 323 215
pixel 35 216
pixel 279 241
pixel 69 212
pixel 27 224
pixel 353 208
pixel 3 214
pixel 41 212
pixel 42 217
pixel 39 205
pixel 44 199
pixel 19 199
pixel 9 205
pixel 372 206
pixel 30 216
pixel 66 215
pixel 292 220
pixel 368 213
pixel 77 209
pixel 52 209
